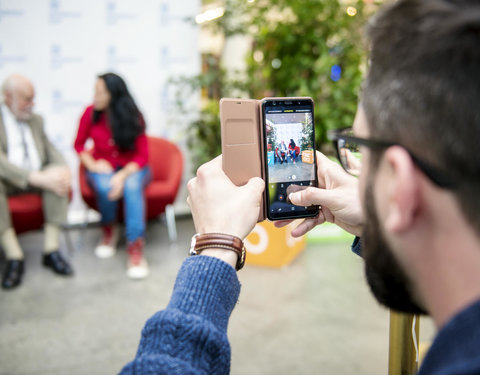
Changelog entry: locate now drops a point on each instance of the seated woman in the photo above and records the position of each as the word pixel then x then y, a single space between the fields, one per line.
pixel 117 166
pixel 293 150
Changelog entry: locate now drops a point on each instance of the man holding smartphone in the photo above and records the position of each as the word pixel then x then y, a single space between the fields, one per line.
pixel 415 203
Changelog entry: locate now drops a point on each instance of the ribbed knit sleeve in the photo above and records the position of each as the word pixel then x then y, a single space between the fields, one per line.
pixel 357 246
pixel 190 335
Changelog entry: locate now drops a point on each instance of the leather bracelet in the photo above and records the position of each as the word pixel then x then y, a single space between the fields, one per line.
pixel 204 241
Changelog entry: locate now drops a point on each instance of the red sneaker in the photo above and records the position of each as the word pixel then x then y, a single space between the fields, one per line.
pixel 137 267
pixel 108 243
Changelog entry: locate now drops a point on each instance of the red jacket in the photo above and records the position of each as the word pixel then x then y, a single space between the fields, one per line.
pixel 103 144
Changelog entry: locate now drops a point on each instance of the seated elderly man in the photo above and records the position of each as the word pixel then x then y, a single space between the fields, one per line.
pixel 29 162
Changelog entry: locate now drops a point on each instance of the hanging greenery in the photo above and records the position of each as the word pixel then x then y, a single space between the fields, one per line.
pixel 298 48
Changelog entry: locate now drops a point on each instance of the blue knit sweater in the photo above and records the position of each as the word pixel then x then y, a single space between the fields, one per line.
pixel 190 335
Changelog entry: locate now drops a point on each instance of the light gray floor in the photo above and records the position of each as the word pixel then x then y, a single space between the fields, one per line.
pixel 315 316
pixel 289 172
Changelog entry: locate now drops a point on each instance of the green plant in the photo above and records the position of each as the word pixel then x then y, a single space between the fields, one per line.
pixel 203 131
pixel 299 48
pixel 305 142
pixel 308 48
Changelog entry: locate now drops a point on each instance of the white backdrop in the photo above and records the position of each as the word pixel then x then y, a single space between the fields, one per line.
pixel 62 45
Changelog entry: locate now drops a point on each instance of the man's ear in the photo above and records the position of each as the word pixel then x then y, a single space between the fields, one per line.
pixel 402 189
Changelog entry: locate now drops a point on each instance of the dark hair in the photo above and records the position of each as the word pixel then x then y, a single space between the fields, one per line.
pixel 422 89
pixel 125 119
pixel 292 143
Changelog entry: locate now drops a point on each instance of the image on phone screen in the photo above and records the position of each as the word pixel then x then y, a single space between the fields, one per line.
pixel 289 140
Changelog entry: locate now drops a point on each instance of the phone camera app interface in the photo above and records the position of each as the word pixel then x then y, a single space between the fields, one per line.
pixel 290 148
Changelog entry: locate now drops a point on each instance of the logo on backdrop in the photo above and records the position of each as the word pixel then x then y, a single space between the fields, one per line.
pixel 60 104
pixel 10 59
pixel 167 60
pixel 166 98
pixel 114 58
pixel 8 12
pixel 164 14
pixel 114 15
pixel 57 15
pixel 58 59
pixel 164 56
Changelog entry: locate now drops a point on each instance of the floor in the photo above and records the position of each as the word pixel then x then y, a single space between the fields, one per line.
pixel 287 172
pixel 315 316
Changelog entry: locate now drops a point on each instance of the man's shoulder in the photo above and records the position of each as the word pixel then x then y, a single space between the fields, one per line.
pixel 36 120
pixel 456 346
pixel 2 108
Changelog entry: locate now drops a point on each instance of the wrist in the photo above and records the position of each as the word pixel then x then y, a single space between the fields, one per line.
pixel 120 176
pixel 227 256
pixel 34 178
pixel 91 166
pixel 219 245
pixel 123 173
pixel 357 231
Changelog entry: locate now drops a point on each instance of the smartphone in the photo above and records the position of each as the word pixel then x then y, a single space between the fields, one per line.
pixel 288 152
pixel 241 142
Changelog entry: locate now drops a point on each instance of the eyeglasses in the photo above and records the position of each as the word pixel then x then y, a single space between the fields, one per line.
pixel 347 147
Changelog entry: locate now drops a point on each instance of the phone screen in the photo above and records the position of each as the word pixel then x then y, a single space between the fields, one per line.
pixel 289 154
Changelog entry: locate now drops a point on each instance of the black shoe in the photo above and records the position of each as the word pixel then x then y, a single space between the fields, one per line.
pixel 57 263
pixel 12 276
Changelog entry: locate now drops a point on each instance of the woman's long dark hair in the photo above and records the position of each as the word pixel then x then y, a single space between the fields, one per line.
pixel 126 122
pixel 292 143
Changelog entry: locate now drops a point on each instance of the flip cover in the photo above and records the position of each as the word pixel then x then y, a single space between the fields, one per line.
pixel 241 142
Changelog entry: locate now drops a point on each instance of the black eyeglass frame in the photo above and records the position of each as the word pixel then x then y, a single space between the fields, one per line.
pixel 438 177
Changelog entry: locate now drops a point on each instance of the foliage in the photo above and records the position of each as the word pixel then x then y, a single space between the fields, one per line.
pixel 203 137
pixel 305 142
pixel 299 48
pixel 271 135
pixel 203 132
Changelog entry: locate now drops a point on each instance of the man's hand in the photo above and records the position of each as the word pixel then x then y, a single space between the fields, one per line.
pixel 337 196
pixel 55 178
pixel 218 206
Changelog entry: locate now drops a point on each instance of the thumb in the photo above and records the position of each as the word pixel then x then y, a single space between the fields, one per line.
pixel 313 196
pixel 253 190
pixel 256 185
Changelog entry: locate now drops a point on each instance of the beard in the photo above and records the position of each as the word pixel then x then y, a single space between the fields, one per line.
pixel 387 280
pixel 21 114
pixel 24 115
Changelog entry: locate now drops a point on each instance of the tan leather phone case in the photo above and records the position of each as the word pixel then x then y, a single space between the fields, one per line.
pixel 241 141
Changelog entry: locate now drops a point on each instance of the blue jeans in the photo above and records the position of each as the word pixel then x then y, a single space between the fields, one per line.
pixel 293 154
pixel 133 200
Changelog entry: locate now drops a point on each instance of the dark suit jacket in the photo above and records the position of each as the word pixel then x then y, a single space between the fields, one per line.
pixel 48 153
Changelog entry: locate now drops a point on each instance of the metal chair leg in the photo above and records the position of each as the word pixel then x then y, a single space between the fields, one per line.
pixel 171 225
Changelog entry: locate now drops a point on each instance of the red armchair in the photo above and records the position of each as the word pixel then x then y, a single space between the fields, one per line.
pixel 26 211
pixel 166 161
